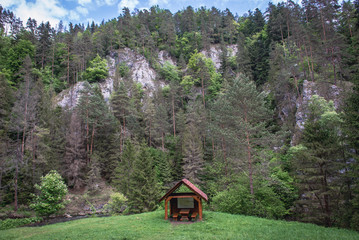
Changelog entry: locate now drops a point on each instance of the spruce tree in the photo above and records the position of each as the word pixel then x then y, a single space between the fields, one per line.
pixel 318 161
pixel 143 192
pixel 192 148
pixel 124 169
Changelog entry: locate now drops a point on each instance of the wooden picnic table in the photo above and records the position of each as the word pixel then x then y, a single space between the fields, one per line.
pixel 184 214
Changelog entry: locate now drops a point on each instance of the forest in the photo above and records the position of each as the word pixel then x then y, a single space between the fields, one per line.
pixel 270 130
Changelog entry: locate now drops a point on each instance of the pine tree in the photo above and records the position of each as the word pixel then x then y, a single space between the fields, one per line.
pixel 239 123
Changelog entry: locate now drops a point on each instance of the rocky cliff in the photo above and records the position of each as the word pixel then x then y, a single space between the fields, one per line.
pixel 215 52
pixel 140 72
pixel 335 93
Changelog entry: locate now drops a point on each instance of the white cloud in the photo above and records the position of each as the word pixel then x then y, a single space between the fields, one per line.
pixel 84 2
pixel 41 10
pixel 83 11
pixel 106 2
pixel 157 2
pixel 73 15
pixel 131 4
pixel 9 3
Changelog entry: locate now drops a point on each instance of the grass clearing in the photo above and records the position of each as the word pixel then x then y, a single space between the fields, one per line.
pixel 153 226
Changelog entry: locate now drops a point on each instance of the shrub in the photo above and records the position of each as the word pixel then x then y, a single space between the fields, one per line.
pixel 238 200
pixel 117 203
pixel 51 197
pixel 13 223
pixel 235 200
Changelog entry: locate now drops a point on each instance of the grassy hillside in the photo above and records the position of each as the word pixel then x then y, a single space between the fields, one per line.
pixel 153 226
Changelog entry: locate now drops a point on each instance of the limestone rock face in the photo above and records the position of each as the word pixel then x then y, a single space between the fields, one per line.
pixel 140 72
pixel 140 69
pixel 215 51
pixel 70 97
pixel 323 89
pixel 164 56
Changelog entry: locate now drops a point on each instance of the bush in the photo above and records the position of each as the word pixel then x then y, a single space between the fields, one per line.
pixel 51 197
pixel 117 203
pixel 13 223
pixel 235 200
pixel 268 204
pixel 238 200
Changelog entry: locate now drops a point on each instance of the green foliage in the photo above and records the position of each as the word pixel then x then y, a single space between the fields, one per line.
pixel 143 189
pixel 16 56
pixel 318 163
pixel 124 168
pixel 97 70
pixel 52 192
pixel 237 199
pixel 170 72
pixel 187 44
pixel 14 223
pixel 202 72
pixel 277 50
pixel 162 166
pixel 124 70
pixel 117 203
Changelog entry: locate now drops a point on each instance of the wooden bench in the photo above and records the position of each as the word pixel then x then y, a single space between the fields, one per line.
pixel 175 216
pixel 194 215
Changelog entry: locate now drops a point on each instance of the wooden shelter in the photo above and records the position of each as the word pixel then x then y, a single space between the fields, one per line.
pixel 184 205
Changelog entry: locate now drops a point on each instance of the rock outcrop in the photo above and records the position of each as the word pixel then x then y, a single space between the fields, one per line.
pixel 70 97
pixel 140 71
pixel 215 52
pixel 323 89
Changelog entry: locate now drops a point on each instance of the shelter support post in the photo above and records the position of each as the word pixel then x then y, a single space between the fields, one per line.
pixel 200 209
pixel 166 212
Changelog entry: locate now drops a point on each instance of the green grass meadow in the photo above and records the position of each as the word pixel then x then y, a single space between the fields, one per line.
pixel 153 226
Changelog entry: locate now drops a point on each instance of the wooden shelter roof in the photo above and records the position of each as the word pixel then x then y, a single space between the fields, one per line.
pixel 188 184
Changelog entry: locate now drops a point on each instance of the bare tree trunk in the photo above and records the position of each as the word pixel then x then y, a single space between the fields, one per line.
pixel 53 60
pixel 224 149
pixel 204 101
pixel 323 27
pixel 68 65
pixel 334 69
pixel 173 115
pixel 121 139
pixel 15 183
pixel 309 67
pixel 16 174
pixel 150 133
pixel 92 138
pixel 350 27
pixel 33 154
pixel 249 156
pixel 25 115
pixel 163 142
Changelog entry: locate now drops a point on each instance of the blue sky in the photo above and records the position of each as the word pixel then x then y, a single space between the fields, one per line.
pixel 83 11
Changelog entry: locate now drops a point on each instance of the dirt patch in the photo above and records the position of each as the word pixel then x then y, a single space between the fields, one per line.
pixel 176 223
